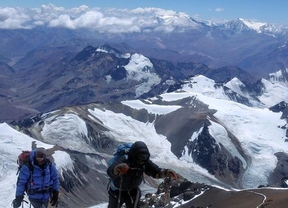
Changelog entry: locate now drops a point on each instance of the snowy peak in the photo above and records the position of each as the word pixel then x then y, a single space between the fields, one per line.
pixel 262 27
pixel 242 25
pixel 233 90
pixel 199 83
pixel 236 25
pixel 141 69
pixel 234 82
pixel 274 88
pixel 268 93
pixel 120 66
pixel 170 21
pixel 237 86
pixel 252 24
pixel 205 86
pixel 281 77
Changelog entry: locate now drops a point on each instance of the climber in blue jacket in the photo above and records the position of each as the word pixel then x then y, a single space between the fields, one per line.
pixel 39 180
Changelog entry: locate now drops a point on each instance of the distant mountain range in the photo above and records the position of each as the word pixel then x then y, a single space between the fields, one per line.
pixel 256 47
pixel 48 78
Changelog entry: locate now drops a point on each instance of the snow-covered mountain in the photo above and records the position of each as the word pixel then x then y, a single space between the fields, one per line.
pixel 200 130
pixel 266 92
pixel 242 25
pixel 105 73
pixel 95 74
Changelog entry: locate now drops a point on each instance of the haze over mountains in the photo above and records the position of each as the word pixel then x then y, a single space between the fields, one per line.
pixel 210 100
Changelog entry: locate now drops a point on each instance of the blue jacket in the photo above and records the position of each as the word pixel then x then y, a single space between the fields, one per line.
pixel 45 180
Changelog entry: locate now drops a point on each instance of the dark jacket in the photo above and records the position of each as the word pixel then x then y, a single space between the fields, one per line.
pixel 134 176
pixel 45 180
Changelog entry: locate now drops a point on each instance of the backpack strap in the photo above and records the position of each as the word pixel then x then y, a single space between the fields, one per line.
pixel 31 181
pixel 31 168
pixel 31 175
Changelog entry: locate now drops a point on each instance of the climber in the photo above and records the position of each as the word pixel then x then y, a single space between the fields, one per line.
pixel 126 175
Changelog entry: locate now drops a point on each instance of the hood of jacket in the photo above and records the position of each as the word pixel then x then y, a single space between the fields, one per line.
pixel 139 152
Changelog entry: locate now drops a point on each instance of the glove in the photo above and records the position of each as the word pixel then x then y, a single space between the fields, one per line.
pixel 17 201
pixel 171 173
pixel 54 198
pixel 121 169
pixel 167 173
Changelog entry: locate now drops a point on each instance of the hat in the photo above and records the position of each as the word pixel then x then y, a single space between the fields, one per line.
pixel 40 152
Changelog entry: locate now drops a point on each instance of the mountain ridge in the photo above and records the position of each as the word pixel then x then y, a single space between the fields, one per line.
pixel 101 74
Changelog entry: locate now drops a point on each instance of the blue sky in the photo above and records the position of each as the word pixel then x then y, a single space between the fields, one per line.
pixel 262 10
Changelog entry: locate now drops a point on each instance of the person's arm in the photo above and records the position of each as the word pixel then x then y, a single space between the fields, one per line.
pixel 115 169
pixel 23 179
pixel 24 175
pixel 55 185
pixel 55 178
pixel 155 171
pixel 151 169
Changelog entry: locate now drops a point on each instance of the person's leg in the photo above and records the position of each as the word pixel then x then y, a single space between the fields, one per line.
pixel 36 204
pixel 113 199
pixel 39 204
pixel 45 204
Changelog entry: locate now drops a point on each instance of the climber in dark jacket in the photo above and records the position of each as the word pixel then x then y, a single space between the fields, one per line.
pixel 44 184
pixel 127 174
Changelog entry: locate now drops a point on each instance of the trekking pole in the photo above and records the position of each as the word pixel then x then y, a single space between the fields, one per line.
pixel 120 190
pixel 137 198
pixel 23 203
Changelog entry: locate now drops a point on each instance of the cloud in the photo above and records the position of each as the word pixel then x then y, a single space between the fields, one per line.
pixel 11 18
pixel 111 20
pixel 219 9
